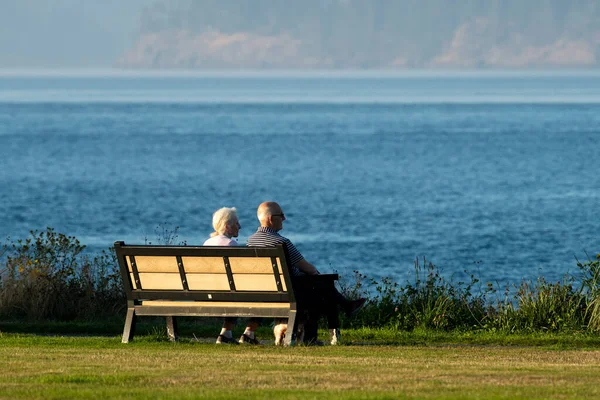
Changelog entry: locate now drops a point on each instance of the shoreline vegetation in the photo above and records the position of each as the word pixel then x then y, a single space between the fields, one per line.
pixel 48 285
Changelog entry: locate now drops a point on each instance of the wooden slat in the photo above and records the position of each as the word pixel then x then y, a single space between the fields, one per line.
pixel 279 265
pixel 212 295
pixel 211 311
pixel 253 265
pixel 284 286
pixel 133 281
pixel 134 271
pixel 281 275
pixel 207 281
pixel 206 265
pixel 152 281
pixel 163 303
pixel 259 282
pixel 160 281
pixel 155 264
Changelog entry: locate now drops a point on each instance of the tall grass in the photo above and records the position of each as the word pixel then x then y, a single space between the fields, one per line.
pixel 47 276
pixel 435 303
pixel 541 305
pixel 590 283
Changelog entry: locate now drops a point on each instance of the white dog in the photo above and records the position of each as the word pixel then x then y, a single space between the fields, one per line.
pixel 280 330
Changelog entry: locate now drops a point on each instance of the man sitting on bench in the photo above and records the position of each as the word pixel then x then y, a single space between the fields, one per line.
pixel 271 219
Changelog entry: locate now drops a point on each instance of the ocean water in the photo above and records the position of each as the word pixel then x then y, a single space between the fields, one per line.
pixel 492 173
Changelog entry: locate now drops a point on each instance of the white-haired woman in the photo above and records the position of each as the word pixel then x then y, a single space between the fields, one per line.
pixel 227 226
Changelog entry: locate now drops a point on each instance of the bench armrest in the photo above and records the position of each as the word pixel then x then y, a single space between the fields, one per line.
pixel 328 277
pixel 310 282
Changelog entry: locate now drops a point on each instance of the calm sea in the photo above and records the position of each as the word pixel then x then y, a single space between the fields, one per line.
pixel 494 173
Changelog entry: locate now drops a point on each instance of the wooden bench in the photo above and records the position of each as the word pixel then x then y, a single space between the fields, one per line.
pixel 206 281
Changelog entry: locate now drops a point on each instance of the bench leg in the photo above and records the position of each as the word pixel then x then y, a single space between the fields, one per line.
pixel 292 331
pixel 172 329
pixel 129 329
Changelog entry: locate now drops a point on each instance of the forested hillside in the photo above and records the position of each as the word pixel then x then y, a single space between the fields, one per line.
pixel 367 34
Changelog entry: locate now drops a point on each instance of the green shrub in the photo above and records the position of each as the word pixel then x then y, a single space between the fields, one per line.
pixel 590 271
pixel 46 276
pixel 435 303
pixel 429 302
pixel 542 306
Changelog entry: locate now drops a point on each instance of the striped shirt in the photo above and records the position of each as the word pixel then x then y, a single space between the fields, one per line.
pixel 267 237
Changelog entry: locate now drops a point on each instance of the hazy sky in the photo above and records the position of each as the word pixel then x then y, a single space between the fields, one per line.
pixel 66 33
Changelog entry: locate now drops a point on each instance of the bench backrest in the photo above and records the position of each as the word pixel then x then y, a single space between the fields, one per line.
pixel 204 273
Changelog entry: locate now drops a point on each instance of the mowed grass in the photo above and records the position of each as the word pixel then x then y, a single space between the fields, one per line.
pixel 101 367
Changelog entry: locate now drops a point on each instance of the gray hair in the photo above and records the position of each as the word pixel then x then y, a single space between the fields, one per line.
pixel 222 218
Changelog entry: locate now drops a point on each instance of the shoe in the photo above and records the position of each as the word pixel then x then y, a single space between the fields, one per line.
pixel 248 340
pixel 334 337
pixel 354 306
pixel 226 340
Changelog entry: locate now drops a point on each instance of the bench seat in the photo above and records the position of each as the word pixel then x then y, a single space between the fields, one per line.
pixel 212 309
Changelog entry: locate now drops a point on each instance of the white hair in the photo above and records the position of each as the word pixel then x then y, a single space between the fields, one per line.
pixel 222 218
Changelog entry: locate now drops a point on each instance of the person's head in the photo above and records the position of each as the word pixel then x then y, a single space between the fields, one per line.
pixel 270 215
pixel 225 222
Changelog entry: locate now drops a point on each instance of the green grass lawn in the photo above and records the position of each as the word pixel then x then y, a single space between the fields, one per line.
pixel 36 366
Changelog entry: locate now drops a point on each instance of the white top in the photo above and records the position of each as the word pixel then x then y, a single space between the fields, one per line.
pixel 220 240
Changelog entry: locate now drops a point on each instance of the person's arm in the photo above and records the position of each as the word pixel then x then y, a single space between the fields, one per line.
pixel 307 267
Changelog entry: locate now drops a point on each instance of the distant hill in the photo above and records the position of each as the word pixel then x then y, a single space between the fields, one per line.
pixel 353 34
